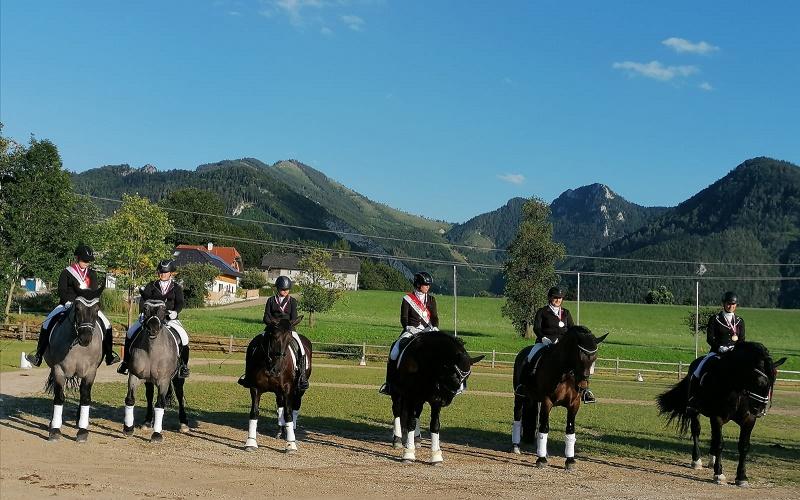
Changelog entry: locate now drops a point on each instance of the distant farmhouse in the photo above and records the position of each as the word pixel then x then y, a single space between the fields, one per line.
pixel 228 254
pixel 344 268
pixel 227 282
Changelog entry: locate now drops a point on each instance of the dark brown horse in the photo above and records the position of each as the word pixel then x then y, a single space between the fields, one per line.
pixel 562 373
pixel 271 367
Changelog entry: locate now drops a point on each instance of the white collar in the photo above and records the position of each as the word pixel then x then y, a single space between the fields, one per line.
pixel 556 310
pixel 421 296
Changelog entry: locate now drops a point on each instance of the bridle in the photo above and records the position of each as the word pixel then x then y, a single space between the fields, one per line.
pixel 77 327
pixel 274 359
pixel 765 400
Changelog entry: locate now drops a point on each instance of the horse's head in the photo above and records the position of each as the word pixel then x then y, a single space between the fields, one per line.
pixel 85 319
pixel 154 315
pixel 456 368
pixel 759 378
pixel 276 342
pixel 583 355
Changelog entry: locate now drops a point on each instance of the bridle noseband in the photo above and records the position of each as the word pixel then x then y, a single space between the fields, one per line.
pixel 766 401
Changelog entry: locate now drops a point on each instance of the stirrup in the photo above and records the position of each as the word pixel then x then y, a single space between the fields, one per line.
pixel 243 382
pixel 385 389
pixel 587 397
pixel 35 359
pixel 183 371
pixel 122 369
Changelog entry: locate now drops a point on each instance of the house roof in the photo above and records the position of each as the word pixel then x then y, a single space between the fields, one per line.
pixel 228 254
pixel 289 261
pixel 184 256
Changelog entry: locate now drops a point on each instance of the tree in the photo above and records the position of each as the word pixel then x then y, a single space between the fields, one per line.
pixel 253 279
pixel 380 276
pixel 321 288
pixel 530 267
pixel 661 295
pixel 705 313
pixel 196 279
pixel 39 223
pixel 132 241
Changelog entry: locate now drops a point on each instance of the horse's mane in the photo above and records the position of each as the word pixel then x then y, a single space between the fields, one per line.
pixel 582 336
pixel 745 357
pixel 458 341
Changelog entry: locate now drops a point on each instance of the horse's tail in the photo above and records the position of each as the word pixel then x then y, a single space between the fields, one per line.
pixel 673 404
pixel 71 384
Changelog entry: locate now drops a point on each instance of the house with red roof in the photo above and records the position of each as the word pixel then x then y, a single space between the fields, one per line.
pixel 229 255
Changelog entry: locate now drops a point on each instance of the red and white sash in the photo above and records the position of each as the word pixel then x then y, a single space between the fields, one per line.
pixel 82 275
pixel 165 290
pixel 418 307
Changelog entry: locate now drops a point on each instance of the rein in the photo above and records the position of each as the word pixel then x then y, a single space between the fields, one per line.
pixel 766 401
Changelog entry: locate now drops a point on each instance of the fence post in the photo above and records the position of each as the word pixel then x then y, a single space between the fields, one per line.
pixel 363 361
pixel 616 367
pixel 230 344
pixel 493 357
pixel 680 369
pixel 24 330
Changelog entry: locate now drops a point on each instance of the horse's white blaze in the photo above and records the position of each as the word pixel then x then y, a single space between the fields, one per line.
pixel 128 416
pixel 290 432
pixel 398 429
pixel 435 441
pixel 281 419
pixel 410 440
pixel 83 420
pixel 158 420
pixel 516 432
pixel 569 445
pixel 55 423
pixel 541 444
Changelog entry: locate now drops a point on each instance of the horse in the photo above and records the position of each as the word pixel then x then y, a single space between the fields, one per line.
pixel 154 359
pixel 562 372
pixel 432 368
pixel 738 387
pixel 272 368
pixel 73 355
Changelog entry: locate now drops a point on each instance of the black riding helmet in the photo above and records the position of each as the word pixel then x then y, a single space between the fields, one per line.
pixel 84 253
pixel 730 298
pixel 283 283
pixel 555 293
pixel 166 266
pixel 422 278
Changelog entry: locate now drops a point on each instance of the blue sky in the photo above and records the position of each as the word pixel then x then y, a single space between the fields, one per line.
pixel 441 108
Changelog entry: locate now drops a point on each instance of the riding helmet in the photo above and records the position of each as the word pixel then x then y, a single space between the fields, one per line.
pixel 166 266
pixel 730 298
pixel 283 283
pixel 555 293
pixel 84 253
pixel 422 278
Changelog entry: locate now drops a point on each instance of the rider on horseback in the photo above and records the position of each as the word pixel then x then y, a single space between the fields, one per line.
pixel 165 288
pixel 724 330
pixel 417 314
pixel 75 281
pixel 282 306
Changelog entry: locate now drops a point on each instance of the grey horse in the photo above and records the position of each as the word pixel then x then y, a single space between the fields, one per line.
pixel 154 360
pixel 73 355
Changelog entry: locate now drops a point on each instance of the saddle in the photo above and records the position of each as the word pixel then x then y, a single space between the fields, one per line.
pixel 531 365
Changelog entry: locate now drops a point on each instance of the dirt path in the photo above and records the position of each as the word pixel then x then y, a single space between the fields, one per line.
pixel 210 462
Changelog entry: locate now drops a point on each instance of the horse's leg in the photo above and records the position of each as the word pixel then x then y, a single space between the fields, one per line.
pixel 541 436
pixel 569 437
pixel 130 403
pixel 177 384
pixel 409 423
pixel 717 444
pixel 436 452
pixel 58 408
pixel 291 444
pixel 85 404
pixel 149 389
pixel 397 434
pixel 744 446
pixel 280 409
pixel 252 425
pixel 697 462
pixel 516 426
pixel 529 421
pixel 158 412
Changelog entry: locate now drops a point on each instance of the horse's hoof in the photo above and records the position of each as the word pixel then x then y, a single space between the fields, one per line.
pixel 55 435
pixel 515 450
pixel 82 436
pixel 742 483
pixel 147 425
pixel 409 456
pixel 697 464
pixel 436 457
pixel 541 462
pixel 719 478
pixel 397 442
pixel 157 438
pixel 184 429
pixel 570 464
pixel 291 447
pixel 127 431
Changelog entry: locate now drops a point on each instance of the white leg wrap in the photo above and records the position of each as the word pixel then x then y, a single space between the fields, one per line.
pixel 289 432
pixel 410 440
pixel 158 420
pixel 295 414
pixel 398 429
pixel 252 433
pixel 516 432
pixel 569 445
pixel 541 444
pixel 128 416
pixel 83 420
pixel 435 441
pixel 55 423
pixel 281 420
pixel 417 432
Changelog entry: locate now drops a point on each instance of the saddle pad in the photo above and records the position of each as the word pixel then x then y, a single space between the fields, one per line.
pixel 537 357
pixel 404 343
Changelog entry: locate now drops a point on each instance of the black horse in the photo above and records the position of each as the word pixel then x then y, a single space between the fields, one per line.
pixel 738 387
pixel 562 373
pixel 271 367
pixel 431 369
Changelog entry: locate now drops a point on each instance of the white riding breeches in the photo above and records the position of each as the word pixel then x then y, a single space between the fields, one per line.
pixel 395 352
pixel 537 347
pixel 699 369
pixel 174 324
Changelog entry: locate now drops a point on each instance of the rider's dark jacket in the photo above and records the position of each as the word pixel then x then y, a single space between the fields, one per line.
pixel 273 312
pixel 545 323
pixel 409 317
pixel 720 333
pixel 173 298
pixel 69 288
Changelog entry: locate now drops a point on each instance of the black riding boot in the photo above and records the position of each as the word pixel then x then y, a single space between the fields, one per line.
pixel 691 396
pixel 126 358
pixel 108 347
pixel 391 368
pixel 243 380
pixel 302 379
pixel 524 374
pixel 183 369
pixel 41 346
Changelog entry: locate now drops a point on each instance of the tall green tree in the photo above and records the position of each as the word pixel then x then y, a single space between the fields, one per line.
pixel 530 267
pixel 321 288
pixel 196 279
pixel 132 241
pixel 39 223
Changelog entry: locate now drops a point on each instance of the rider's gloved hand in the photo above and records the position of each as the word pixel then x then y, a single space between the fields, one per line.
pixel 172 314
pixel 434 328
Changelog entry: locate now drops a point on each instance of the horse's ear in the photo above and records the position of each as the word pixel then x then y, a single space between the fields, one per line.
pixel 779 362
pixel 297 321
pixel 472 361
pixel 600 339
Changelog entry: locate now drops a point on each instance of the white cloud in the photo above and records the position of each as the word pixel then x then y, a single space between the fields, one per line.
pixel 706 86
pixel 355 23
pixel 326 31
pixel 681 45
pixel 512 178
pixel 292 8
pixel 655 70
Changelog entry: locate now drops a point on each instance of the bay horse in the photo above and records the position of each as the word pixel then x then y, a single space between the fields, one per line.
pixel 736 386
pixel 73 355
pixel 432 368
pixel 154 359
pixel 562 372
pixel 272 367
